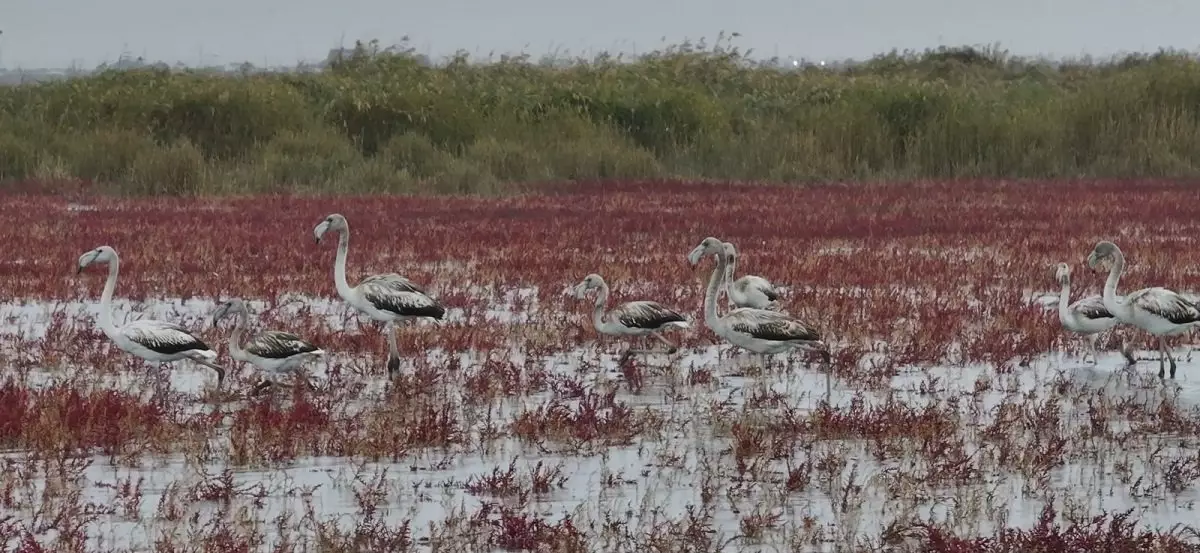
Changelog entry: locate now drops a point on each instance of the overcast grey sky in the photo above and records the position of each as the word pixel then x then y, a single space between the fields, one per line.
pixel 40 33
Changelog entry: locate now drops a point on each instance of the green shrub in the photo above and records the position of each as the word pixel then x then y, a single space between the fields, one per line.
pixel 172 170
pixel 104 155
pixel 308 158
pixel 414 154
pixel 18 157
pixel 387 122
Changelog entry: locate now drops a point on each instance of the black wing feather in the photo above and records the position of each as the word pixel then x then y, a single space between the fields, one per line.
pixel 408 304
pixel 1166 304
pixel 1092 307
pixel 768 325
pixel 647 314
pixel 278 345
pixel 163 337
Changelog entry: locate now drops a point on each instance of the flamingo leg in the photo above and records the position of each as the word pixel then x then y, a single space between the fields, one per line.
pixel 220 370
pixel 393 362
pixel 672 347
pixel 159 378
pixel 1095 354
pixel 631 351
pixel 1129 353
pixel 1164 351
pixel 1162 354
pixel 828 367
pixel 1125 351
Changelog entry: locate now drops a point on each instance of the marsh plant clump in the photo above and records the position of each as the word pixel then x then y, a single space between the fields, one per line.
pixel 385 120
pixel 961 419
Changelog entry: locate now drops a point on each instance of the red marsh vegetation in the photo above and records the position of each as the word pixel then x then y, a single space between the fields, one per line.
pixel 901 278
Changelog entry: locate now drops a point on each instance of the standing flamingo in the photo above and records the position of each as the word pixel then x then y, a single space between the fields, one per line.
pixel 151 340
pixel 274 352
pixel 387 298
pixel 635 318
pixel 1158 311
pixel 749 290
pixel 758 330
pixel 1087 316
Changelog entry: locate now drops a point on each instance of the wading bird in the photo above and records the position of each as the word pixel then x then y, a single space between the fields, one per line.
pixel 1087 316
pixel 386 298
pixel 635 318
pixel 275 353
pixel 1156 310
pixel 151 340
pixel 758 330
pixel 749 290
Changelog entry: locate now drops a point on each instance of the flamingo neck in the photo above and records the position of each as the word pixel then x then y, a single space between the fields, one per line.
pixel 710 299
pixel 728 284
pixel 110 286
pixel 1110 285
pixel 601 305
pixel 1064 298
pixel 235 339
pixel 339 266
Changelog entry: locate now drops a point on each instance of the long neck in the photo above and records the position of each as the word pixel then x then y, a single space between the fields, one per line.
pixel 601 305
pixel 339 265
pixel 1064 299
pixel 710 299
pixel 1114 276
pixel 728 282
pixel 235 339
pixel 110 285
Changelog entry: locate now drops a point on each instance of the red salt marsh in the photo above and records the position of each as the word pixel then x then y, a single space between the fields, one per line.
pixel 955 414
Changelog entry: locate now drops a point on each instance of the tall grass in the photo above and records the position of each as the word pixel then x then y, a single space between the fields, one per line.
pixel 384 121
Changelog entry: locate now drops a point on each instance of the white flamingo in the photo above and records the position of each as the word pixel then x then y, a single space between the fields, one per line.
pixel 1087 316
pixel 386 298
pixel 274 352
pixel 157 341
pixel 758 330
pixel 1158 311
pixel 749 290
pixel 635 318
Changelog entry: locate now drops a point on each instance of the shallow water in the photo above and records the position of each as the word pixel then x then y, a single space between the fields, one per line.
pixel 665 472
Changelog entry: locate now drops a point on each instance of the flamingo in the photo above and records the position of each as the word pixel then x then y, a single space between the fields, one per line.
pixel 272 351
pixel 635 318
pixel 749 290
pixel 1158 311
pixel 386 298
pixel 157 341
pixel 1087 316
pixel 761 331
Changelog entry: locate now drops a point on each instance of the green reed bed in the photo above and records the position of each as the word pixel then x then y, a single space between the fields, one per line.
pixel 385 122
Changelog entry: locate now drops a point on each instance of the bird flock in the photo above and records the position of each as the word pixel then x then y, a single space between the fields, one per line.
pixel 752 322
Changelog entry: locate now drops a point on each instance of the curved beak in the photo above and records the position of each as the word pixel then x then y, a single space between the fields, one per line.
pixel 695 255
pixel 219 314
pixel 319 231
pixel 579 290
pixel 1093 260
pixel 85 260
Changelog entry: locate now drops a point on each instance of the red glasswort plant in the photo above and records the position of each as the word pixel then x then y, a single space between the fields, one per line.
pixel 904 279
